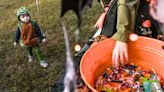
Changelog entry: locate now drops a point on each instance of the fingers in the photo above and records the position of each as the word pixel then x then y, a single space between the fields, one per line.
pixel 122 57
pixel 15 44
pixel 115 59
pixel 45 41
pixel 120 54
pixel 126 56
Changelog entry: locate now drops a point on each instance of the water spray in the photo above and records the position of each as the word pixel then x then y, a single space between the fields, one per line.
pixel 70 76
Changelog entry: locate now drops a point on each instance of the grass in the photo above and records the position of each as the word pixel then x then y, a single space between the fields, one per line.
pixel 18 75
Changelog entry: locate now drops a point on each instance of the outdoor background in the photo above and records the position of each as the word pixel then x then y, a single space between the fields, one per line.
pixel 16 73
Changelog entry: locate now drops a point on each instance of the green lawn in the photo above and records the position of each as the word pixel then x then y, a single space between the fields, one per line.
pixel 18 75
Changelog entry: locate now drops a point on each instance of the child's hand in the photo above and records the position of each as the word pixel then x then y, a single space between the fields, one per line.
pixel 44 41
pixel 120 53
pixel 15 43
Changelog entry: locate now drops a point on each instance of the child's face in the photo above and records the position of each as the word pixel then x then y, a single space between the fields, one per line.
pixel 25 18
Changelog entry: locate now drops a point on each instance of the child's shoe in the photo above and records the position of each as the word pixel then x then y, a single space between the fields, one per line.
pixel 43 63
pixel 30 58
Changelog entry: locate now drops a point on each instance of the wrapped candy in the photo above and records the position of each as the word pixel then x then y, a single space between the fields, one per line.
pixel 127 78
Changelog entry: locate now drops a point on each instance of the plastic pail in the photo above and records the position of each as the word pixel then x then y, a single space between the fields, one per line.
pixel 146 52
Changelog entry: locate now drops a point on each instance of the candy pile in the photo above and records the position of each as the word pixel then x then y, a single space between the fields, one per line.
pixel 129 78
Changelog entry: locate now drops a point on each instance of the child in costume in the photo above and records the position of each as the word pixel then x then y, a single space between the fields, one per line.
pixel 29 35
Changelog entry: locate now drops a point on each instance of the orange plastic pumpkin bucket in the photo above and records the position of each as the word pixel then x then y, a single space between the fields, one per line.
pixel 146 52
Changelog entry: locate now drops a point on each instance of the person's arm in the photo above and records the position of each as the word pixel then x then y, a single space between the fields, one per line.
pixel 18 34
pixel 40 34
pixel 126 15
pixel 17 37
pixel 38 31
